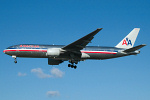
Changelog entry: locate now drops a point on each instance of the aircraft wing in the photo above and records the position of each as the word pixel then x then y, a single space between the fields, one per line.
pixel 82 42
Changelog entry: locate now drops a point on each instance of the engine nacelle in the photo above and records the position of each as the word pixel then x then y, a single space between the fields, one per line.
pixel 53 52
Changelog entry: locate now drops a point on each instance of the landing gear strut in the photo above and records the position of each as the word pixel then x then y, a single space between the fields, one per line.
pixel 15 58
pixel 15 61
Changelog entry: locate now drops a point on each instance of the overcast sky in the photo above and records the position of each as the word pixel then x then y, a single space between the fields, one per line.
pixel 62 22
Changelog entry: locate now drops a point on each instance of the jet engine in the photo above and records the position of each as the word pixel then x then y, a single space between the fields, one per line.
pixel 53 52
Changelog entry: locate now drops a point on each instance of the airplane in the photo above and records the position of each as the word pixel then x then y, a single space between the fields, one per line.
pixel 77 51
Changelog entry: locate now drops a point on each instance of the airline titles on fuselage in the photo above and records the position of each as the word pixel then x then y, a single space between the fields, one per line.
pixel 34 46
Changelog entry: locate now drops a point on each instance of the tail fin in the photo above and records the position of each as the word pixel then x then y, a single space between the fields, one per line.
pixel 129 40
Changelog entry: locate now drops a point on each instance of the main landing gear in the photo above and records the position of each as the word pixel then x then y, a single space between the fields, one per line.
pixel 72 65
pixel 15 58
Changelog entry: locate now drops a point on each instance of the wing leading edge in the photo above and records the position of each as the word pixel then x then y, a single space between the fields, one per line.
pixel 82 42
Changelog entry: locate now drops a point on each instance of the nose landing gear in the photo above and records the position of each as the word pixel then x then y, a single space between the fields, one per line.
pixel 15 58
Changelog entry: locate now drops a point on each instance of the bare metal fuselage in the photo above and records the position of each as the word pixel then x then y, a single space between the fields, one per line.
pixel 89 52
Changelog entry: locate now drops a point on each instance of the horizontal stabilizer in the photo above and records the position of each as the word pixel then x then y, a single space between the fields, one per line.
pixel 135 48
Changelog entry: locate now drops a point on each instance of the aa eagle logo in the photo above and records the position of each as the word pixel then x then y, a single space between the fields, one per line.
pixel 127 41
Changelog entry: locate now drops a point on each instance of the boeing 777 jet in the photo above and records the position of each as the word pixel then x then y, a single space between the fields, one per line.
pixel 77 51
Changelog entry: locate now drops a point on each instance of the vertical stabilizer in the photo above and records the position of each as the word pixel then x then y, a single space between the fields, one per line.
pixel 129 40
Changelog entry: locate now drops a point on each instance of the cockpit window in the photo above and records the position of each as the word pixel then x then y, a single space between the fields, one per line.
pixel 12 47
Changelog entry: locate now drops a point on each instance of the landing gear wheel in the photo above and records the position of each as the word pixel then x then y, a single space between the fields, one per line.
pixel 75 67
pixel 76 62
pixel 15 62
pixel 69 65
pixel 72 66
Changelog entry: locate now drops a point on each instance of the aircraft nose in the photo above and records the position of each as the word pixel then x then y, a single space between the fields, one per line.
pixel 4 51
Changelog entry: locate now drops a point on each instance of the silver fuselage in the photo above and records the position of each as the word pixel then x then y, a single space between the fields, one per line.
pixel 89 52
